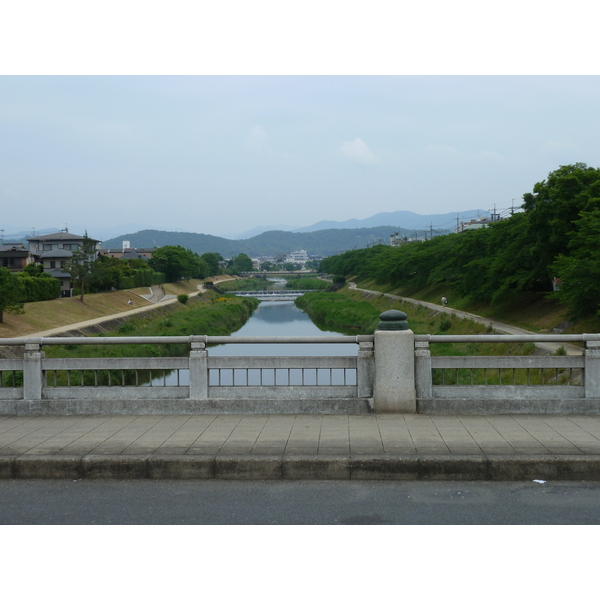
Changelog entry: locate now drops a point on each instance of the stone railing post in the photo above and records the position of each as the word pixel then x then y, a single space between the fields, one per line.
pixel 592 369
pixel 32 372
pixel 365 369
pixel 394 385
pixel 423 376
pixel 198 369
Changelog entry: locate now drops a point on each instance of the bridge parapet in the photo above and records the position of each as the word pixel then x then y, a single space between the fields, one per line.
pixel 393 372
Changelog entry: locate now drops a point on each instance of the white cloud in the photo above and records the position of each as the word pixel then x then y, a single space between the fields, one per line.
pixel 358 151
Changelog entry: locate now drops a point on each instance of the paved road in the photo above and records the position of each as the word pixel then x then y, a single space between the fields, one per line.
pixel 297 503
pixel 571 349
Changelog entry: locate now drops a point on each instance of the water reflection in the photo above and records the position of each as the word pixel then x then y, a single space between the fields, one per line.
pixel 282 319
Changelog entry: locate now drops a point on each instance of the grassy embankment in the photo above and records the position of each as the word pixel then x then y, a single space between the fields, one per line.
pixel 536 312
pixel 51 314
pixel 206 314
pixel 307 284
pixel 250 284
pixel 351 312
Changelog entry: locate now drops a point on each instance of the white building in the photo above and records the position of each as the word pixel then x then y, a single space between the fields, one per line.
pixel 298 256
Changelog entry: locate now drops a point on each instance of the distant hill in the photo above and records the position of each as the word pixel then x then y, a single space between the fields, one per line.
pixel 325 242
pixel 400 218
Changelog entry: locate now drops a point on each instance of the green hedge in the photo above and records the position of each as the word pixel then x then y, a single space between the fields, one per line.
pixel 40 287
pixel 141 278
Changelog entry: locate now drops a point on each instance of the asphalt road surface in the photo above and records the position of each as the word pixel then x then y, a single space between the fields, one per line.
pixel 60 502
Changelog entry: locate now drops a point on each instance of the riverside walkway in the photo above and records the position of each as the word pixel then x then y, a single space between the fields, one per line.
pixel 292 447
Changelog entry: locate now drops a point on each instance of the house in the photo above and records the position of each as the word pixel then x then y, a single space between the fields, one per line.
pixel 15 257
pixel 473 224
pixel 128 252
pixel 54 250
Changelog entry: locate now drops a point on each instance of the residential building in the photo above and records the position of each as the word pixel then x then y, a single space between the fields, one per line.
pixel 15 257
pixel 298 256
pixel 53 251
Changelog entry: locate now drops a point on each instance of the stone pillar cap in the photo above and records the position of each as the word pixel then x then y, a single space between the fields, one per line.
pixel 392 320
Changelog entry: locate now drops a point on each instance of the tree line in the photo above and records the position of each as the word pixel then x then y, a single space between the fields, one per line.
pixel 552 246
pixel 93 273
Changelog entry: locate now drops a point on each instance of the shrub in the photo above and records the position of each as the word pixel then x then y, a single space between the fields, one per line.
pixel 445 323
pixel 183 298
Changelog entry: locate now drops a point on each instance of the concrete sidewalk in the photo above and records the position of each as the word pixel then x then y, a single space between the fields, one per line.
pixel 496 447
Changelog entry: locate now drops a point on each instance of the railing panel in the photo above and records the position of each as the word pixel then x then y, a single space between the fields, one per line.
pixel 501 392
pixel 507 362
pixel 11 364
pixel 283 392
pixel 282 362
pixel 89 364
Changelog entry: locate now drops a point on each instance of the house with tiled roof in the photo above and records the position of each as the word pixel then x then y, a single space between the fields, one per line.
pixel 15 257
pixel 54 250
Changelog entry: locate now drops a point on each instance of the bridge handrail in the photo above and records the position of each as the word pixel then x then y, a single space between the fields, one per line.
pixel 188 339
pixel 503 338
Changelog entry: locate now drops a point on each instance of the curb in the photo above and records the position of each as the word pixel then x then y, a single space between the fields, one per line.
pixel 303 467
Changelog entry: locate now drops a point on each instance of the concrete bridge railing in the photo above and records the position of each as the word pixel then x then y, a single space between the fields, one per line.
pixel 394 371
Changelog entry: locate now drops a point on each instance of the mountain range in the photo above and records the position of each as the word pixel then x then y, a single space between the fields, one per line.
pixel 400 219
pixel 324 238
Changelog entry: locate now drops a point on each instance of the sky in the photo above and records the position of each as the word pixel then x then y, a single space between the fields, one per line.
pixel 116 146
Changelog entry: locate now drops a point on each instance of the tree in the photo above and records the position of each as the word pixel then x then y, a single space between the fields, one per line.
pixel 579 273
pixel 82 264
pixel 178 263
pixel 212 260
pixel 242 262
pixel 107 274
pixel 10 293
pixel 553 209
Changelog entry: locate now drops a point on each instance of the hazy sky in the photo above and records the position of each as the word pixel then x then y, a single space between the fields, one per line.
pixel 223 154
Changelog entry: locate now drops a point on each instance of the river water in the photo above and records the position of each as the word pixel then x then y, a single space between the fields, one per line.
pixel 282 319
pixel 272 318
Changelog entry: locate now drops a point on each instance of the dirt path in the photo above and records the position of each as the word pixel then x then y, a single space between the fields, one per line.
pixel 571 349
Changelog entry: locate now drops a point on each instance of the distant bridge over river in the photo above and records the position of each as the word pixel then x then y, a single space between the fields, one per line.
pixel 272 295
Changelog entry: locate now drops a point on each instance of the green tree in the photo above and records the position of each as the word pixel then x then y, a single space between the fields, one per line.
pixel 33 269
pixel 553 209
pixel 10 293
pixel 82 264
pixel 107 274
pixel 579 273
pixel 212 260
pixel 178 263
pixel 242 262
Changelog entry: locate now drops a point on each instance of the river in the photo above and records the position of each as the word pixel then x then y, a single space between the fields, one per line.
pixel 279 318
pixel 282 319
